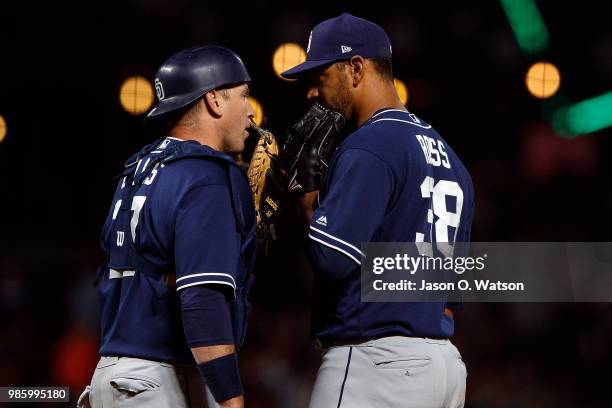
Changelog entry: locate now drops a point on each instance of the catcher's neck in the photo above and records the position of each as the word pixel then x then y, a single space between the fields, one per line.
pixel 203 134
pixel 376 95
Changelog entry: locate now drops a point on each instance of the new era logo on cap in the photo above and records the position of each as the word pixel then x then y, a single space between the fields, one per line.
pixel 327 43
pixel 309 41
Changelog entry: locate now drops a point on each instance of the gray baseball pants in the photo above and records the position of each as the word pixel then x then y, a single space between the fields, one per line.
pixel 126 382
pixel 407 372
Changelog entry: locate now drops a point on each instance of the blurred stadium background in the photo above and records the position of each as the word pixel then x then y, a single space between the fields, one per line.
pixel 520 89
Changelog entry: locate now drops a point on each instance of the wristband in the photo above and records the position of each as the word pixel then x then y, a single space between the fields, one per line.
pixel 222 377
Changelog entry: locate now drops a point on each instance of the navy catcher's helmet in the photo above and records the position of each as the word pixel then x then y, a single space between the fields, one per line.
pixel 189 74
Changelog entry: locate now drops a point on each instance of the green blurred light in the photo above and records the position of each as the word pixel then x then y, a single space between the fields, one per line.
pixel 552 105
pixel 527 24
pixel 584 117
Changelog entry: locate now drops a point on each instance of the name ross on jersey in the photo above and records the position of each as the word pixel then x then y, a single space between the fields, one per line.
pixel 434 151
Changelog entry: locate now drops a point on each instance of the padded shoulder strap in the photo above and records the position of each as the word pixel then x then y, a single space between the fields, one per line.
pixel 143 152
pixel 242 200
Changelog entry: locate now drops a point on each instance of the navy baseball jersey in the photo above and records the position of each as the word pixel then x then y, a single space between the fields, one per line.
pixel 182 215
pixel 393 180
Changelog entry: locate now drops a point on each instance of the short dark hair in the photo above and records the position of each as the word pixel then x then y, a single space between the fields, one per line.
pixel 384 67
pixel 224 92
pixel 340 65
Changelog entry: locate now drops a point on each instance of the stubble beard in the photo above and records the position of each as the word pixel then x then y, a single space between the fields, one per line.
pixel 341 100
pixel 231 148
pixel 232 144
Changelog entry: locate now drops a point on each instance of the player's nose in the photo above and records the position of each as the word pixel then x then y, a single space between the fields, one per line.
pixel 250 110
pixel 313 93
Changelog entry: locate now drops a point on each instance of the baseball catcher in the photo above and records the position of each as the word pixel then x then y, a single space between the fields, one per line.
pixel 179 240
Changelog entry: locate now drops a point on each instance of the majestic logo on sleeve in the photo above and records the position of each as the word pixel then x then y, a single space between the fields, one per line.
pixel 322 220
pixel 159 89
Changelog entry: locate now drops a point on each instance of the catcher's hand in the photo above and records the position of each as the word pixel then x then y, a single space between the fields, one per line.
pixel 309 146
pixel 264 180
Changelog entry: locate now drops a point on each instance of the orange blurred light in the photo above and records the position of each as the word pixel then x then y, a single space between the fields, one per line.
pixel 402 91
pixel 543 80
pixel 2 128
pixel 258 119
pixel 287 56
pixel 136 95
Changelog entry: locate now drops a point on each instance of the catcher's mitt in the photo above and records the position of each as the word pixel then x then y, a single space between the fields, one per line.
pixel 264 180
pixel 309 146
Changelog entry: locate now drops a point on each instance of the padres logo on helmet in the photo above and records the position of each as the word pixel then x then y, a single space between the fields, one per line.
pixel 159 89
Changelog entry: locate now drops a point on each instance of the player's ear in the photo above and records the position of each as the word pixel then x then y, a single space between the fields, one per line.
pixel 214 103
pixel 356 69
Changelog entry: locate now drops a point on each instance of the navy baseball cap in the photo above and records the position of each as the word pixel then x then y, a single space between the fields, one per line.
pixel 340 38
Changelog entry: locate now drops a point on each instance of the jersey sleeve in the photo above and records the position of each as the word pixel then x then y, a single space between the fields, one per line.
pixel 206 242
pixel 360 188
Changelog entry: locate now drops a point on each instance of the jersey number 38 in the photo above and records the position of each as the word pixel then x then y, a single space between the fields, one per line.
pixel 439 230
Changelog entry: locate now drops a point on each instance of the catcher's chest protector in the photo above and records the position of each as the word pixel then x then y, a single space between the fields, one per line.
pixel 140 316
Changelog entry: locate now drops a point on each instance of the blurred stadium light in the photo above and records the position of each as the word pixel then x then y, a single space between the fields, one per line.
pixel 2 128
pixel 287 56
pixel 258 110
pixel 526 22
pixel 543 80
pixel 584 117
pixel 402 91
pixel 136 95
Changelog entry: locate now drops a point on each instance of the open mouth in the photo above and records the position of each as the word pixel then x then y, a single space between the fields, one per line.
pixel 251 127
